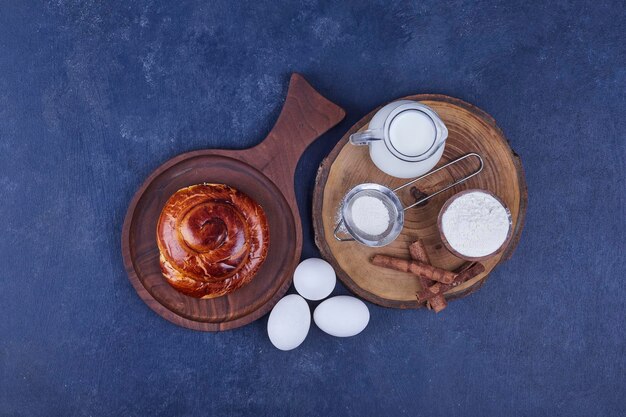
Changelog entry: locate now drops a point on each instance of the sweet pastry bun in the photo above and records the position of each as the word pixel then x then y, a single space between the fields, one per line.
pixel 212 240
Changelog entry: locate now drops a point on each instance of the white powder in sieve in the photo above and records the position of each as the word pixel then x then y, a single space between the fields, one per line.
pixel 370 215
pixel 475 224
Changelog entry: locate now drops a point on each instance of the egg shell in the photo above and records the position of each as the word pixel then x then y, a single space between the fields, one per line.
pixel 342 316
pixel 314 279
pixel 289 322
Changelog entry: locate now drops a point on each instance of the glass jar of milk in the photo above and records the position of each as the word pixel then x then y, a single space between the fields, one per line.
pixel 406 139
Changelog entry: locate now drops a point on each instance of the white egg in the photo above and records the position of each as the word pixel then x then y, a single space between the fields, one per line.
pixel 314 279
pixel 342 316
pixel 289 322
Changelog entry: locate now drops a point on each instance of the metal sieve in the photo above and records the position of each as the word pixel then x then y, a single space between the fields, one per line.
pixel 392 203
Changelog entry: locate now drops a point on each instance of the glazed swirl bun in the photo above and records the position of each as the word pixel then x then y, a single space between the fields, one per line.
pixel 212 240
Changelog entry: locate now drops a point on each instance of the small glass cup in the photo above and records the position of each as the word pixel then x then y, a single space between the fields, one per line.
pixel 454 251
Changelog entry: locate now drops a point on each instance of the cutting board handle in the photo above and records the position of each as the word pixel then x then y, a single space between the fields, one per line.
pixel 305 116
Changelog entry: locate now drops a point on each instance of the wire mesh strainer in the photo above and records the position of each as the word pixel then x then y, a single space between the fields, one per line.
pixel 392 203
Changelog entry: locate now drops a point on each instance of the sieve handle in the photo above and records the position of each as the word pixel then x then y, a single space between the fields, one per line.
pixel 339 238
pixel 462 180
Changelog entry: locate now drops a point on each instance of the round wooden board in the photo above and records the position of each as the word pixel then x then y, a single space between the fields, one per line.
pixel 241 306
pixel 470 130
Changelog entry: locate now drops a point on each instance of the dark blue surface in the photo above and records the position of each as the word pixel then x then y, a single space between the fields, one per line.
pixel 95 95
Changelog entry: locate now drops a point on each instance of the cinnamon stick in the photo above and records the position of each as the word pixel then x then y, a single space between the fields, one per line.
pixel 472 271
pixel 438 289
pixel 417 250
pixel 415 267
pixel 438 303
pixel 429 293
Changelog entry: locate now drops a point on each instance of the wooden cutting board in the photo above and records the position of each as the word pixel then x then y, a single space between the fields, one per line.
pixel 265 173
pixel 470 130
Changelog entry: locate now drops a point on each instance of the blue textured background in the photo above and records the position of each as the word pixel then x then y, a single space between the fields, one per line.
pixel 95 95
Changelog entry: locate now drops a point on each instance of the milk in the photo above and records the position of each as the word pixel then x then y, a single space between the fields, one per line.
pixel 406 138
pixel 412 132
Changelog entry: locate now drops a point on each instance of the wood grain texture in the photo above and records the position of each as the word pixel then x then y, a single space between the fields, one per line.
pixel 265 173
pixel 470 130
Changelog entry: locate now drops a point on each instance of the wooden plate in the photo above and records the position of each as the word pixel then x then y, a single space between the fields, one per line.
pixel 470 130
pixel 265 173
